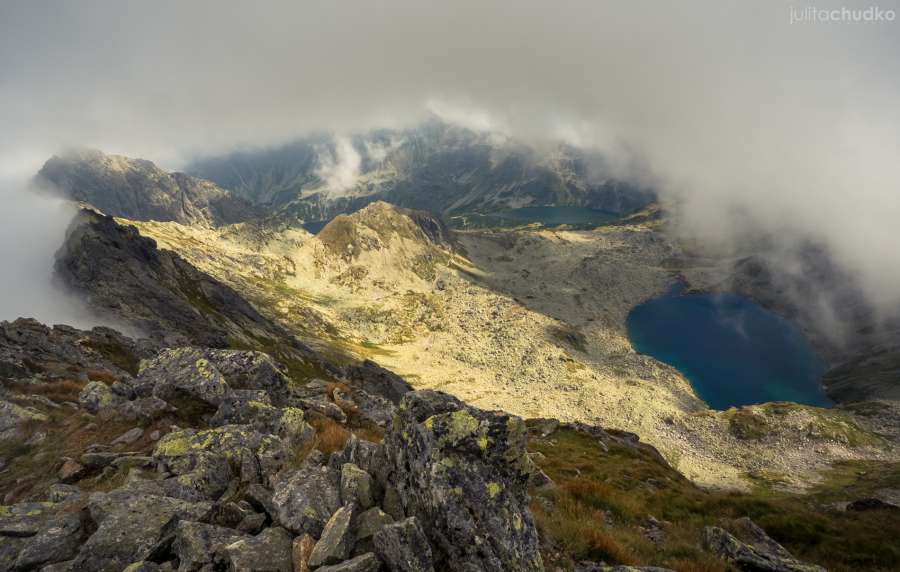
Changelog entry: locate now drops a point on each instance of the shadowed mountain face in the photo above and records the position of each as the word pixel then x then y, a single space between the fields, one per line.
pixel 124 276
pixel 436 167
pixel 139 190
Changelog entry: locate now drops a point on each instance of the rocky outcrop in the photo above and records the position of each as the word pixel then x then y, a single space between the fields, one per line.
pixel 29 350
pixel 754 551
pixel 463 473
pixel 139 190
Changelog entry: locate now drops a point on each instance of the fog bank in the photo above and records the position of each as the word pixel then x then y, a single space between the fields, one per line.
pixel 746 121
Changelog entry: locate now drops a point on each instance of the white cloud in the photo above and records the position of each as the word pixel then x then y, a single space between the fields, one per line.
pixel 339 167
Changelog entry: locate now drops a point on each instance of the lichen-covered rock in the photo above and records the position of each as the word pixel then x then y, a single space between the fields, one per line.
pixel 143 409
pixel 96 396
pixel 364 563
pixel 13 416
pixel 367 526
pixel 269 551
pixel 305 501
pixel 184 376
pixel 356 486
pixel 464 474
pixel 130 525
pixel 247 407
pixel 363 454
pixel 404 548
pixel 195 543
pixel 251 370
pixel 294 429
pixel 58 541
pixel 231 442
pixel 754 551
pixel 336 541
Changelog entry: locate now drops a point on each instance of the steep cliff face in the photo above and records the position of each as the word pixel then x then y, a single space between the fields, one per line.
pixel 139 190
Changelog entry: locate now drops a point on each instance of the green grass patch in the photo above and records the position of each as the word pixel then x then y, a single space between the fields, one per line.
pixel 603 498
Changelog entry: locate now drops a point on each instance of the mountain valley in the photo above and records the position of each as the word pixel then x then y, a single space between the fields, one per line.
pixel 388 323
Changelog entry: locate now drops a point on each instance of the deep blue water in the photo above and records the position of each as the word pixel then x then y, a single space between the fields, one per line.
pixel 732 350
pixel 315 226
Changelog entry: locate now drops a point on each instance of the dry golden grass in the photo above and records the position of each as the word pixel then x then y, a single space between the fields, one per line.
pixel 58 391
pixel 104 376
pixel 331 436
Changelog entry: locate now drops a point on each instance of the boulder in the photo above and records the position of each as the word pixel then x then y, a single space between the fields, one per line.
pixel 128 437
pixel 57 542
pixel 367 526
pixel 305 501
pixel 96 396
pixel 336 541
pixel 205 461
pixel 195 543
pixel 269 551
pixel 356 486
pixel 754 550
pixel 143 409
pixel 251 370
pixel 403 547
pixel 130 526
pixel 71 471
pixel 464 473
pixel 184 377
pixel 24 519
pixel 293 428
pixel 364 454
pixel 365 563
pixel 12 417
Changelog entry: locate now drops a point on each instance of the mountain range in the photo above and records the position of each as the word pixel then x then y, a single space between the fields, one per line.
pixel 395 392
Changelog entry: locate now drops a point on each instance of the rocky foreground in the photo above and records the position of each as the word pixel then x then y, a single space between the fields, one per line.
pixel 210 459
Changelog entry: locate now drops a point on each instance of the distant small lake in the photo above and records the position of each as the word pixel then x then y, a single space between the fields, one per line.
pixel 315 226
pixel 580 217
pixel 732 350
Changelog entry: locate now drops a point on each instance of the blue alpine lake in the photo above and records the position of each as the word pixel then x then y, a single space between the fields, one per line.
pixel 732 350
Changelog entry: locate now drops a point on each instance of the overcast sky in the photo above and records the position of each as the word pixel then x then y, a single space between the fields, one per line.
pixel 725 106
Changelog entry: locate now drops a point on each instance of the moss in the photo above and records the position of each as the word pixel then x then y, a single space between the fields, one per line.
pixel 493 489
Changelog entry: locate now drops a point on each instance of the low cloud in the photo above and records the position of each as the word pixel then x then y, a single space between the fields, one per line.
pixel 32 230
pixel 339 166
pixel 747 123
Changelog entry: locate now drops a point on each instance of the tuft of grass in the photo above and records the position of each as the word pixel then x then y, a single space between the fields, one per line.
pixel 59 390
pixel 103 376
pixel 331 436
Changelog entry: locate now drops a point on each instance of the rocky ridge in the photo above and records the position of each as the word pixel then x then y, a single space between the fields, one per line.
pixel 139 190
